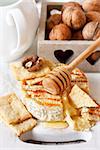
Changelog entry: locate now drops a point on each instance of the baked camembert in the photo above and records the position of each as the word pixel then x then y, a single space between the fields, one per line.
pixel 54 108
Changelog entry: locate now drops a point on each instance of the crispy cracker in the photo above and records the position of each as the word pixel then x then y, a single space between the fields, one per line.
pixel 92 114
pixel 32 87
pixel 34 81
pixel 40 95
pixel 39 92
pixel 24 126
pixel 78 77
pixel 21 73
pixel 81 99
pixel 44 95
pixel 81 124
pixel 12 109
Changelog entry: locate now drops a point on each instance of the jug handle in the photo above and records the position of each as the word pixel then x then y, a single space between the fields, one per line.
pixel 15 17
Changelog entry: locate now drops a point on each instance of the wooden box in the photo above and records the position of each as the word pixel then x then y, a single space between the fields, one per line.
pixel 49 49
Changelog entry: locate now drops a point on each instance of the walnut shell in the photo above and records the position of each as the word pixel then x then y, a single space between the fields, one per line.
pixel 93 16
pixel 60 32
pixel 89 5
pixel 77 35
pixel 72 4
pixel 74 17
pixel 91 31
pixel 53 20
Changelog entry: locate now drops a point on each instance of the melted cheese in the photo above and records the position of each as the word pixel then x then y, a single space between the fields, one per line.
pixel 60 124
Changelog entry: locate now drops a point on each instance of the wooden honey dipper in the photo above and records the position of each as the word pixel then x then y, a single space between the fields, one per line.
pixel 59 78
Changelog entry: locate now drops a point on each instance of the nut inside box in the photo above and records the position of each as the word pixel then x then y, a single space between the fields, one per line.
pixel 50 8
pixel 63 50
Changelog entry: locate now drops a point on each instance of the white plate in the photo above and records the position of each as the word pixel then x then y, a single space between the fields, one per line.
pixel 42 134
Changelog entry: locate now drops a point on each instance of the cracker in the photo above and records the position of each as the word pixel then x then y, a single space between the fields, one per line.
pixel 44 95
pixel 81 124
pixel 34 81
pixel 12 110
pixel 93 114
pixel 32 87
pixel 78 123
pixel 39 92
pixel 81 99
pixel 24 126
pixel 21 73
pixel 78 77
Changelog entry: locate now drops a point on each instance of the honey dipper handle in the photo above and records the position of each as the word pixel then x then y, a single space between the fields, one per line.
pixel 84 55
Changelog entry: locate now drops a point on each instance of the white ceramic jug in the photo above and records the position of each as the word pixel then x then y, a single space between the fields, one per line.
pixel 18 24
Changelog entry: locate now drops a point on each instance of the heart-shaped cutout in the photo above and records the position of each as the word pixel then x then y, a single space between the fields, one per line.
pixel 94 57
pixel 63 56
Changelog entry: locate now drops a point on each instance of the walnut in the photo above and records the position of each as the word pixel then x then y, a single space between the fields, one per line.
pixel 53 20
pixel 91 31
pixel 60 32
pixel 77 35
pixel 89 5
pixel 74 17
pixel 72 4
pixel 29 61
pixel 93 16
pixel 32 63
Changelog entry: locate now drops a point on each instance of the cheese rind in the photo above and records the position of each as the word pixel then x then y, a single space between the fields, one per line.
pixel 45 112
